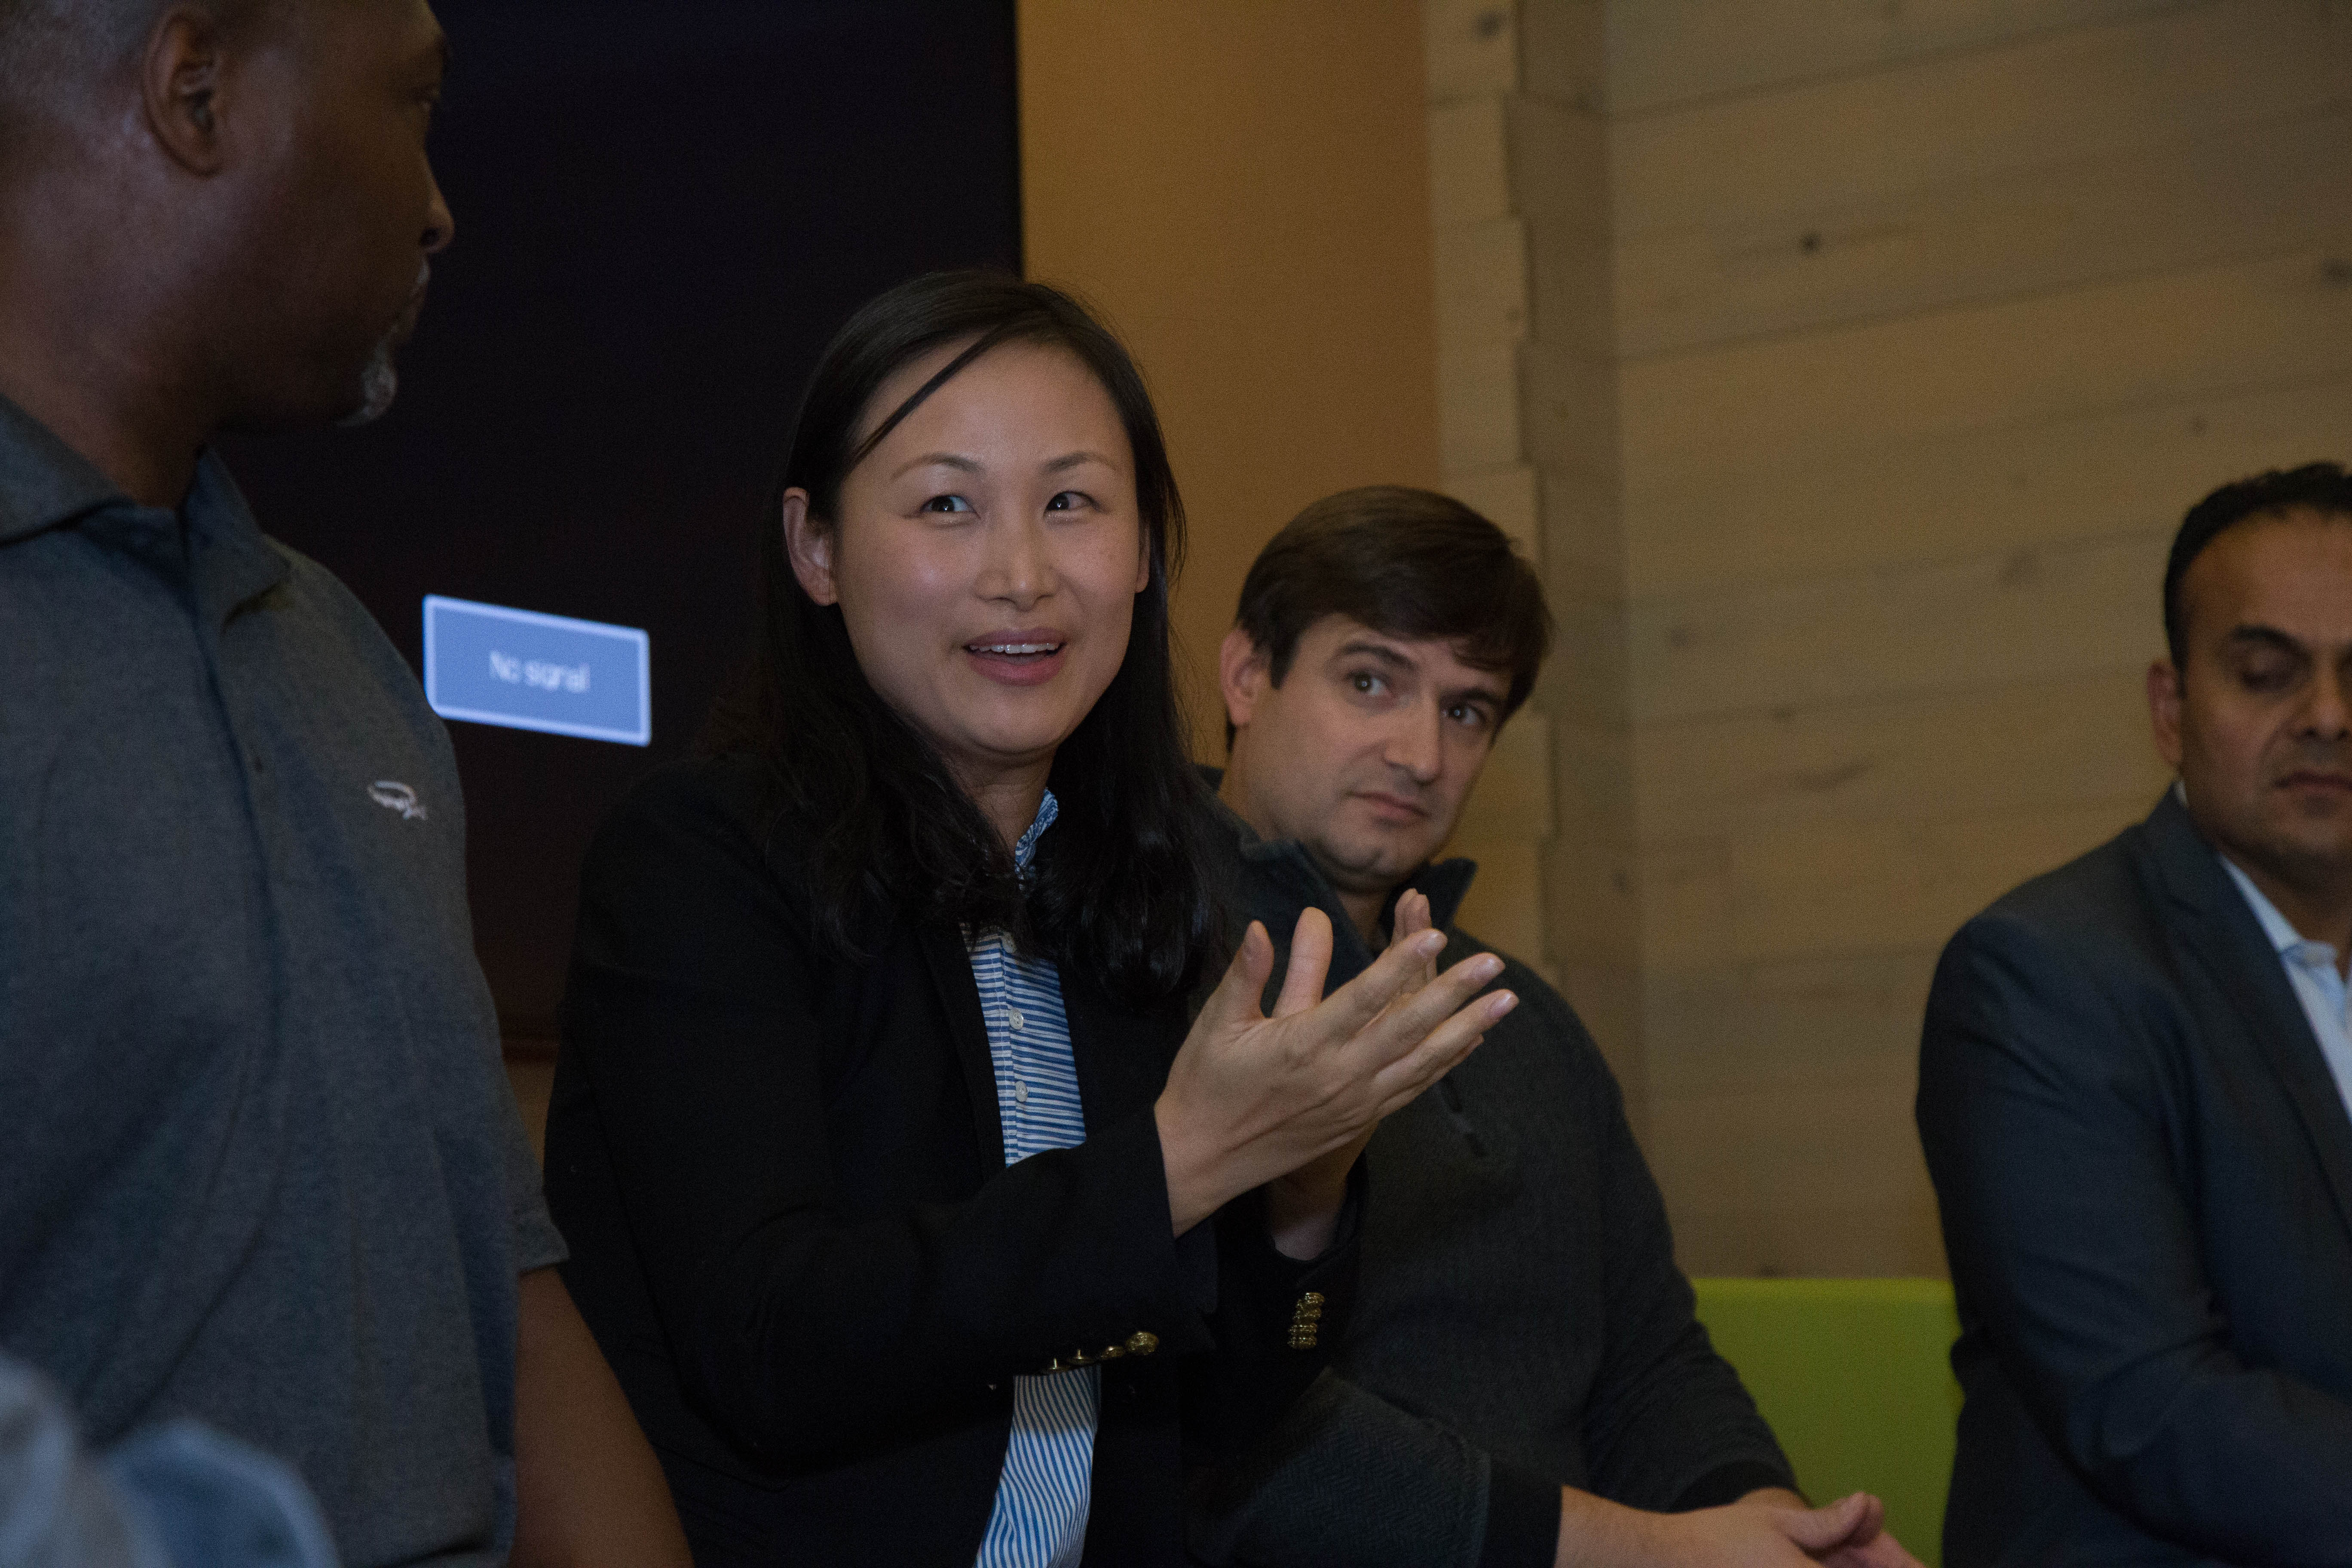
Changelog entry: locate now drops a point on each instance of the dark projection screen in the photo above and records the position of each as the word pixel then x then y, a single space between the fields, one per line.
pixel 663 211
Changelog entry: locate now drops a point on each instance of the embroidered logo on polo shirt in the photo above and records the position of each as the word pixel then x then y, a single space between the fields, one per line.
pixel 393 796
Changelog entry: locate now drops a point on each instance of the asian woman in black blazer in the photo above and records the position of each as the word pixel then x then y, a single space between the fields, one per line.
pixel 787 1138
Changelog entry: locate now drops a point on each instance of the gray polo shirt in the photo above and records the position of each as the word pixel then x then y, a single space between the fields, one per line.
pixel 258 1160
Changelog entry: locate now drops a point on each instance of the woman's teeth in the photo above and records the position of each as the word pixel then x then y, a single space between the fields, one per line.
pixel 1014 649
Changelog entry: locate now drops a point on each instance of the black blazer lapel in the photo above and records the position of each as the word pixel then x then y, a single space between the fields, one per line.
pixel 951 967
pixel 1122 1056
pixel 2215 928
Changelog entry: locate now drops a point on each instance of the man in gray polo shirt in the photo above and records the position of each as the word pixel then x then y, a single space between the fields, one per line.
pixel 261 1165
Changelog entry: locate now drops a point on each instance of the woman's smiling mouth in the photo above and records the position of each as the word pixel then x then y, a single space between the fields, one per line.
pixel 1029 656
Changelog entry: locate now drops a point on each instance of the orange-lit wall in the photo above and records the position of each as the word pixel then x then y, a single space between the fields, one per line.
pixel 1242 186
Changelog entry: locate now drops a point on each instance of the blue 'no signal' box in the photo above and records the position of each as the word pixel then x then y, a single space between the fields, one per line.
pixel 529 671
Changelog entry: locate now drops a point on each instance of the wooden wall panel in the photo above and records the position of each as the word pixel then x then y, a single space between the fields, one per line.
pixel 1503 827
pixel 1796 1024
pixel 1857 887
pixel 1848 366
pixel 1668 52
pixel 2034 612
pixel 1839 889
pixel 1750 1220
pixel 1805 511
pixel 1469 170
pixel 1469 48
pixel 2251 189
pixel 1510 498
pixel 2176 336
pixel 2038 744
pixel 1931 321
pixel 2076 94
pixel 1527 379
pixel 1781 1097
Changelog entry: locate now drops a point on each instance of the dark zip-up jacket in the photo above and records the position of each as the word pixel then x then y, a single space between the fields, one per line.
pixel 1520 1325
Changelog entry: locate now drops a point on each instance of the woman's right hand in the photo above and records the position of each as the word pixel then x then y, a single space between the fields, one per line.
pixel 1251 1098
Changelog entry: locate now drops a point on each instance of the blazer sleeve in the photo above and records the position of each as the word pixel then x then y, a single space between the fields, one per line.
pixel 2042 1110
pixel 798 1325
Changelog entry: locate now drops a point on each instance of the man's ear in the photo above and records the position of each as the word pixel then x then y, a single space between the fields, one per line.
pixel 1242 675
pixel 2164 711
pixel 808 544
pixel 182 86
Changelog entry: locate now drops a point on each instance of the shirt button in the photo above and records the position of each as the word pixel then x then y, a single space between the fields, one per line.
pixel 1019 1091
pixel 1018 1021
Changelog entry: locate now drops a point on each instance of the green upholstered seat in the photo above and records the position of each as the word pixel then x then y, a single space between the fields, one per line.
pixel 1855 1377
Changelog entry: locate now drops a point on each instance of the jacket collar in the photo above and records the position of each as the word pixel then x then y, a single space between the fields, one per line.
pixel 950 962
pixel 2227 938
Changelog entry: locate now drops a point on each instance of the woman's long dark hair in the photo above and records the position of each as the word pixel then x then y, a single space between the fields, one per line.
pixel 1118 887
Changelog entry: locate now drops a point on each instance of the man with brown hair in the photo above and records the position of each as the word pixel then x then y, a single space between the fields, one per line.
pixel 1523 1381
pixel 262 1167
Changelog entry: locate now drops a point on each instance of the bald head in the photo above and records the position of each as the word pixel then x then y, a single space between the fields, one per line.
pixel 224 203
pixel 70 39
pixel 58 56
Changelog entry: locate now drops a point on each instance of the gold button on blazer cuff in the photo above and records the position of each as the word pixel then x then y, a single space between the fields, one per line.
pixel 1307 1322
pixel 1141 1342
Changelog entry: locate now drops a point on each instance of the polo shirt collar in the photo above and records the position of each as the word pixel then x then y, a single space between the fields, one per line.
pixel 236 564
pixel 46 484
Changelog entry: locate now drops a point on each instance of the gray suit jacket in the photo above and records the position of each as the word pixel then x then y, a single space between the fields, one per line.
pixel 2144 1170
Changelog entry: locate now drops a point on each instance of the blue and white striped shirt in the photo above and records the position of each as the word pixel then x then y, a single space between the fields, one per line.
pixel 1040 1519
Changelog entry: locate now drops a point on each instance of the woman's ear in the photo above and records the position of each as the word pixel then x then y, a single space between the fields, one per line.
pixel 809 546
pixel 1143 560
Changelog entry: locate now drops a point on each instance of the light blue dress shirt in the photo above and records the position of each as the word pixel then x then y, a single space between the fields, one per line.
pixel 2318 983
pixel 1040 1519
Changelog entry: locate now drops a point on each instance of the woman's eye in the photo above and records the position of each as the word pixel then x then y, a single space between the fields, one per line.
pixel 1068 500
pixel 946 503
pixel 1465 714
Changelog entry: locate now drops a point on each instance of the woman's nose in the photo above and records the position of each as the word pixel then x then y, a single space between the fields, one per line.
pixel 1019 568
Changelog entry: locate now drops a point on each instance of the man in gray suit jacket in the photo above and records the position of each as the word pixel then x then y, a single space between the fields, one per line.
pixel 2133 1094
